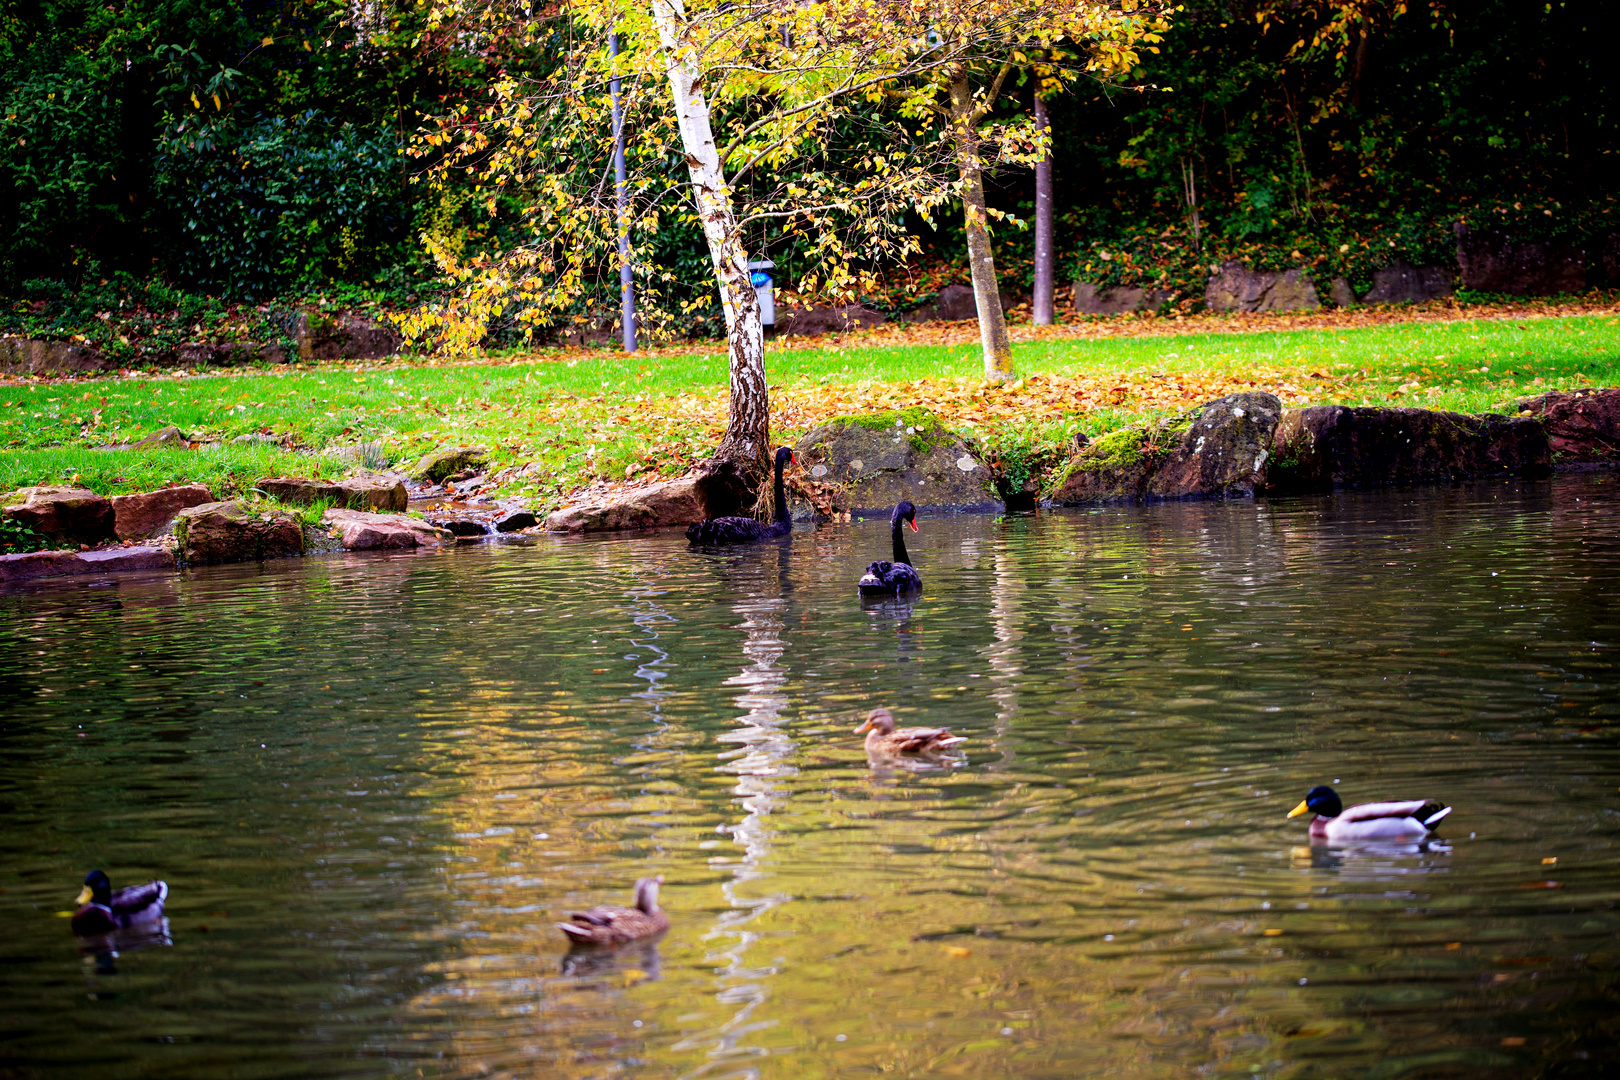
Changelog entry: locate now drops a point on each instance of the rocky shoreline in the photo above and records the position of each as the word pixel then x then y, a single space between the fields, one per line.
pixel 1238 446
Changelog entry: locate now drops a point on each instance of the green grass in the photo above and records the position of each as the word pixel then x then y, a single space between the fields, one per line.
pixel 582 418
pixel 226 470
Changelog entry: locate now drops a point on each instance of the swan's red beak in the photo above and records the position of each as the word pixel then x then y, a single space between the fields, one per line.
pixel 913 524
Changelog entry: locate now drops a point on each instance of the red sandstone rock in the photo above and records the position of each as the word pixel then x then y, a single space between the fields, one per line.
pixel 384 493
pixel 223 532
pixel 62 513
pixel 359 530
pixel 136 517
pixel 673 502
pixel 40 564
pixel 1583 426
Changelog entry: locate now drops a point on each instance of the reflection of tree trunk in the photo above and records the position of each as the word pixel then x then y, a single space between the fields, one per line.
pixel 1003 655
pixel 986 294
pixel 757 765
pixel 1045 278
pixel 728 480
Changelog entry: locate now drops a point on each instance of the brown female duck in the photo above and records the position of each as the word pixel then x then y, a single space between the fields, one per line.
pixel 609 925
pixel 883 739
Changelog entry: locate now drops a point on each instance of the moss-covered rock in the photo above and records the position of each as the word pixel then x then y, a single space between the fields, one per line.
pixel 438 465
pixel 1329 446
pixel 1220 449
pixel 223 532
pixel 877 459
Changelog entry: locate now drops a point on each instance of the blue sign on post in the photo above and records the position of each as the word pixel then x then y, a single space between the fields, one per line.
pixel 759 275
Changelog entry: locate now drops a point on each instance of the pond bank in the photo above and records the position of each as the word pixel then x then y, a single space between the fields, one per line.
pixel 1236 446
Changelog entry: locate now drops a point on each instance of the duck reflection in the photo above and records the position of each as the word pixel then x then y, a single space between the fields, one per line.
pixel 103 950
pixel 1373 860
pixel 639 961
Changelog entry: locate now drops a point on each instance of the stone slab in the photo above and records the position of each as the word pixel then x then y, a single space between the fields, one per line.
pixel 42 564
pixel 135 517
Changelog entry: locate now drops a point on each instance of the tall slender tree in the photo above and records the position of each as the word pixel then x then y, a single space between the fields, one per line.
pixel 821 122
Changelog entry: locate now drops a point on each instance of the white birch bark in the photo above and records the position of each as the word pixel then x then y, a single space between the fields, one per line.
pixel 748 427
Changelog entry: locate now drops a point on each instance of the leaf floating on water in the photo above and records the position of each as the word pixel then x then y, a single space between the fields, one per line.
pixel 957 952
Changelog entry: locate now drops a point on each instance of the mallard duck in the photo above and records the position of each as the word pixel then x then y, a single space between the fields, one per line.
pixel 608 925
pixel 101 911
pixel 883 740
pixel 745 530
pixel 1410 820
pixel 899 576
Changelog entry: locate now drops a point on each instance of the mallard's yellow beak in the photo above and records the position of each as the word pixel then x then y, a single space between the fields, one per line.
pixel 84 896
pixel 1300 809
pixel 866 725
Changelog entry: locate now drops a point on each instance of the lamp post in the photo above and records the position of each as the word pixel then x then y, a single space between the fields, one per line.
pixel 621 188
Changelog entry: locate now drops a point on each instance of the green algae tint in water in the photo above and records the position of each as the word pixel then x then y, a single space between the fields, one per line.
pixel 373 785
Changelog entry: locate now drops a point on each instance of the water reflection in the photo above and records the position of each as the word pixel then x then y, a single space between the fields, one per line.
pixel 379 781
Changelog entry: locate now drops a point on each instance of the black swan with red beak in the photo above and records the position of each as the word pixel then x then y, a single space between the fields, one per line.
pixel 745 530
pixel 897 577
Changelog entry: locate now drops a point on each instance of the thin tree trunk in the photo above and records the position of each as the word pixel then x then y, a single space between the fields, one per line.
pixel 621 194
pixel 1045 278
pixel 986 295
pixel 729 479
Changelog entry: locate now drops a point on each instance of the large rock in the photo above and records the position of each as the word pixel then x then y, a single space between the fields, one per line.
pixel 1237 288
pixel 1495 262
pixel 1399 283
pixel 39 564
pixel 1093 299
pixel 438 465
pixel 221 532
pixel 1328 446
pixel 26 355
pixel 361 530
pixel 886 457
pixel 1221 449
pixel 1224 451
pixel 342 336
pixel 385 493
pixel 168 436
pixel 1340 294
pixel 956 303
pixel 136 517
pixel 514 520
pixel 227 354
pixel 813 321
pixel 62 513
pixel 673 502
pixel 1583 426
pixel 1112 468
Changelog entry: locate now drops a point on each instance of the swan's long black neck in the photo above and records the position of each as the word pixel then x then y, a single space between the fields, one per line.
pixel 782 517
pixel 896 532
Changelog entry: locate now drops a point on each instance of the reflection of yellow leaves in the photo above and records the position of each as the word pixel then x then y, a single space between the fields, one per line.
pixel 1273 933
pixel 632 976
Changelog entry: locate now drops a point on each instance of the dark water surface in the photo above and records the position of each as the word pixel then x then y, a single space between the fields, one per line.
pixel 372 785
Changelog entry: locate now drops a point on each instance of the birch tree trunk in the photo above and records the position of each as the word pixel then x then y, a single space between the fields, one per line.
pixel 729 480
pixel 1045 279
pixel 986 295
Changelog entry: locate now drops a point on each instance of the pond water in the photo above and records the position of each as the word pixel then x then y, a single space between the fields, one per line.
pixel 374 783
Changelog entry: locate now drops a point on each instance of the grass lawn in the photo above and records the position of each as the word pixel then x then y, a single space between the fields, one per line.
pixel 583 417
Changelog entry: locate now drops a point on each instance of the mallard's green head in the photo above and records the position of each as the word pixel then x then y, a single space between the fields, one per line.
pixel 96 888
pixel 1322 800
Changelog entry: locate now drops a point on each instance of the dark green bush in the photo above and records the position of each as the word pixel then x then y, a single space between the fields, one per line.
pixel 285 204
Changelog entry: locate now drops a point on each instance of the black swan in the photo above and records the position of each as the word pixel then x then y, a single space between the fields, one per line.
pixel 745 530
pixel 894 578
